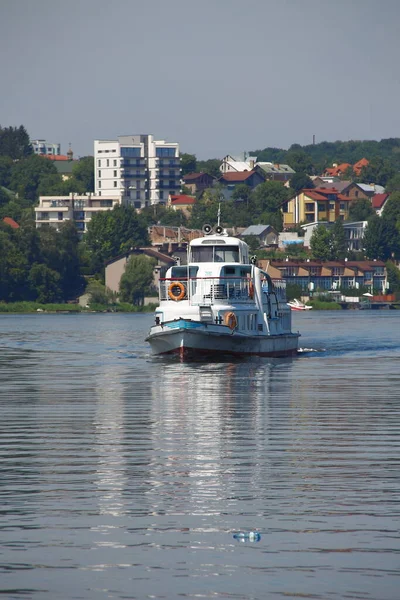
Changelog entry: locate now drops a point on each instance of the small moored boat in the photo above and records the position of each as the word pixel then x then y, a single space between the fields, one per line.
pixel 221 303
pixel 295 304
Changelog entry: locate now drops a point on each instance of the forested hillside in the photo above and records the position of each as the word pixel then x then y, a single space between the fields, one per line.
pixel 323 154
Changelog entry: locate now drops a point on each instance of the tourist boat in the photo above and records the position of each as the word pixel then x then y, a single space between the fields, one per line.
pixel 221 303
pixel 297 305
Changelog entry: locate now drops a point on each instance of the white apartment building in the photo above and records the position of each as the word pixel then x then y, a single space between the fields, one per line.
pixel 43 147
pixel 54 210
pixel 140 170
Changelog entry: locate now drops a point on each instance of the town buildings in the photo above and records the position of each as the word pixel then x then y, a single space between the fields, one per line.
pixel 330 275
pixel 53 211
pixel 140 170
pixel 317 204
pixel 45 148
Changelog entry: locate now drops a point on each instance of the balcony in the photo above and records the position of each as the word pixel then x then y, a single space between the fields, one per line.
pixel 176 185
pixel 131 175
pixel 168 163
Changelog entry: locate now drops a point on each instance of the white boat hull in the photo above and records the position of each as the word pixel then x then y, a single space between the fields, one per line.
pixel 185 337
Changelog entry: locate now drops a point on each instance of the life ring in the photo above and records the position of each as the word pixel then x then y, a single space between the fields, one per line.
pixel 251 289
pixel 230 320
pixel 176 291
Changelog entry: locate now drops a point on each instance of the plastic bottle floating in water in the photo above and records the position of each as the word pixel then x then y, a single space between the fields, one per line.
pixel 247 536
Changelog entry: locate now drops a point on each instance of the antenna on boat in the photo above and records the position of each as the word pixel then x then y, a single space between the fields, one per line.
pixel 219 215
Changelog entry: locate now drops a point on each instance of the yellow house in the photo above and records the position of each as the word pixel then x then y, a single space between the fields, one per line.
pixel 313 205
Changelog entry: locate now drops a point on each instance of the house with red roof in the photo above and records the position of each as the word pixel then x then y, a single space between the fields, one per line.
pixel 339 170
pixel 313 205
pixel 251 178
pixel 181 202
pixel 9 221
pixel 378 202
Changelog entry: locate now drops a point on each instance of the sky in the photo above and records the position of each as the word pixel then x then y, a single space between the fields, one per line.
pixel 218 76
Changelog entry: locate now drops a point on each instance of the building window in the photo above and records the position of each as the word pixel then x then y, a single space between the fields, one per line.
pixel 99 163
pixel 342 206
pixel 99 173
pixel 161 195
pixel 115 173
pixel 165 152
pixel 60 216
pixel 331 206
pixel 106 203
pixel 321 207
pixel 130 152
pixel 137 195
pixel 356 194
pixel 99 193
pixel 108 162
pixel 99 184
pixel 138 184
pixel 115 184
pixel 310 206
pixel 115 162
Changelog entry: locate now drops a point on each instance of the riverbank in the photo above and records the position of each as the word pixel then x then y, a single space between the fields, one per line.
pixel 36 307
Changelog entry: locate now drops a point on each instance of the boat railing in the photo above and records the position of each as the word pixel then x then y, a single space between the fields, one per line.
pixel 280 289
pixel 207 290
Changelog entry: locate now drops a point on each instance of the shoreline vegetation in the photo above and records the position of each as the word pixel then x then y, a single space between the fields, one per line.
pixel 39 308
pixel 122 307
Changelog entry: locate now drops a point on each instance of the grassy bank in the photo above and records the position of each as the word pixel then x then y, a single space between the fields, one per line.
pixel 321 305
pixel 35 307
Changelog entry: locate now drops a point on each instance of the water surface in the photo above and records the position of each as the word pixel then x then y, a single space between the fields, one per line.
pixel 126 476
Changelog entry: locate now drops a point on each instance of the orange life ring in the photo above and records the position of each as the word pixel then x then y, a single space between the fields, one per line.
pixel 176 291
pixel 230 320
pixel 251 289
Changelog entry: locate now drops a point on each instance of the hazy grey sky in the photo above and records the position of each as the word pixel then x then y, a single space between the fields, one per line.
pixel 217 76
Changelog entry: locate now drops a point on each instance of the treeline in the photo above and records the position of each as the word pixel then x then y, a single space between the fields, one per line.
pixel 323 154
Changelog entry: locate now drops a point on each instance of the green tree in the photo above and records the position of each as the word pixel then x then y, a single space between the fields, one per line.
pixel 54 185
pixel 393 184
pixel 99 293
pixel 242 193
pixel 338 242
pixel 391 211
pixel 83 173
pixel 360 210
pixel 253 242
pixel 393 274
pixel 45 284
pixel 378 171
pixel 321 243
pixel 300 181
pixel 269 196
pixel 13 267
pixel 137 279
pixel 14 142
pixel 6 162
pixel 210 166
pixel 300 161
pixel 374 242
pixel 114 232
pixel 27 174
pixel 188 163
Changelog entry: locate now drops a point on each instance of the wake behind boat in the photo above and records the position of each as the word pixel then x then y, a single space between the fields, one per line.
pixel 221 303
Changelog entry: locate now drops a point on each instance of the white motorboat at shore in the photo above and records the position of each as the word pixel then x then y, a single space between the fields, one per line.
pixel 221 303
pixel 295 304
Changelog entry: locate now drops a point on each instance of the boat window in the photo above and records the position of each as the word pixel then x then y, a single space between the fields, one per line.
pixel 181 272
pixel 227 254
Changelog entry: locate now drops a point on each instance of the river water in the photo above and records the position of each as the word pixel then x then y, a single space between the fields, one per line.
pixel 127 476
